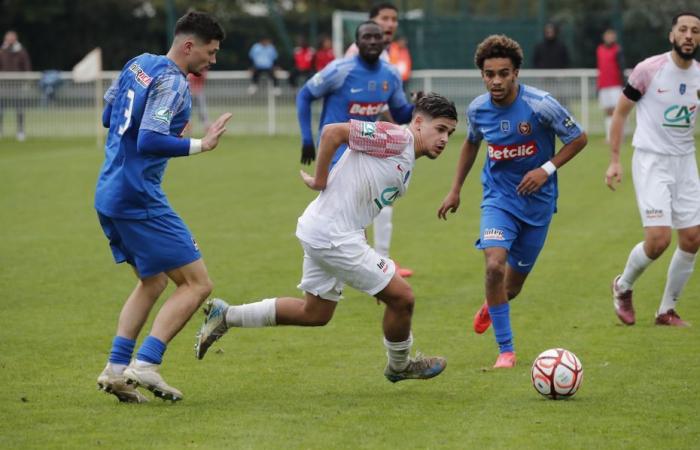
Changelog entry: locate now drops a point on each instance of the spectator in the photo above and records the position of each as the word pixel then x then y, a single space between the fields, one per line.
pixel 263 54
pixel 303 63
pixel 324 54
pixel 199 98
pixel 610 64
pixel 400 57
pixel 551 53
pixel 14 58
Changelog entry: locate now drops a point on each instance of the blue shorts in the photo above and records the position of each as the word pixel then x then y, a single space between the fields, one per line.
pixel 152 245
pixel 524 242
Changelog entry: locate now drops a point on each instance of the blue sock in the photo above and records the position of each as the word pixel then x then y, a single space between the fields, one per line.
pixel 151 350
pixel 500 318
pixel 122 348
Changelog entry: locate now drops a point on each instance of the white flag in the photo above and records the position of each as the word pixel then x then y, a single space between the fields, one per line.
pixel 89 68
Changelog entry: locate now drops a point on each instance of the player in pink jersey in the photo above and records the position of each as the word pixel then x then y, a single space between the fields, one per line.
pixel 610 64
pixel 374 171
pixel 666 91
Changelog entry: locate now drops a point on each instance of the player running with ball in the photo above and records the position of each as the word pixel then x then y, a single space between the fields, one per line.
pixel 519 124
pixel 374 171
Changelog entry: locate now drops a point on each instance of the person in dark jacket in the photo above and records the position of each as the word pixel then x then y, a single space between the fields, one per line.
pixel 551 53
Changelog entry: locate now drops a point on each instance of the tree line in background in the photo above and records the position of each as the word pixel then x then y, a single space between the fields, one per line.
pixel 60 32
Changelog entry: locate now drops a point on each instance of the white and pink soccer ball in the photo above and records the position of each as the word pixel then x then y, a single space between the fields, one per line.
pixel 557 373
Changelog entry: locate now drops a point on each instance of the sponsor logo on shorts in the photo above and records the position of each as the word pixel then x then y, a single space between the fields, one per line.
pixel 524 128
pixel 522 264
pixel 515 151
pixel 142 77
pixel 493 234
pixel 368 129
pixel 196 246
pixel 383 266
pixel 653 213
pixel 365 108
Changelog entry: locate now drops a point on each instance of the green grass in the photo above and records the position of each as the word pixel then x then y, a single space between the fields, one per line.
pixel 323 388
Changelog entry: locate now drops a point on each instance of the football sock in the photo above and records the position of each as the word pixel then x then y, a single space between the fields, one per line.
pixel 679 271
pixel 500 319
pixel 122 348
pixel 382 231
pixel 636 263
pixel 397 353
pixel 253 315
pixel 151 350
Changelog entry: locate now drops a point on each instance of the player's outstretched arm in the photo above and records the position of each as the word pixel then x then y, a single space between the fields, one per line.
pixel 613 174
pixel 218 128
pixel 466 161
pixel 534 179
pixel 332 136
pixel 303 103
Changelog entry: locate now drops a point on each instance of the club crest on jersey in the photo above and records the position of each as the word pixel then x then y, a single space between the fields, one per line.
pixel 372 85
pixel 513 151
pixel 385 85
pixel 365 108
pixel 524 128
pixel 682 88
pixel 163 114
pixel 505 126
pixel 142 77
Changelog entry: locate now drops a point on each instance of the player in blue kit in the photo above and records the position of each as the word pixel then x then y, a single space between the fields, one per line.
pixel 147 109
pixel 358 87
pixel 519 124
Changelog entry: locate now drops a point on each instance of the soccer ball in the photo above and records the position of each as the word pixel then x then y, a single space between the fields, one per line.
pixel 557 373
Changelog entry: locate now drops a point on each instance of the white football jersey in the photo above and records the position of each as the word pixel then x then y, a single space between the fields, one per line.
pixel 372 173
pixel 667 110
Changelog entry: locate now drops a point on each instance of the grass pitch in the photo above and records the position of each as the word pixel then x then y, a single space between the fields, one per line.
pixel 323 388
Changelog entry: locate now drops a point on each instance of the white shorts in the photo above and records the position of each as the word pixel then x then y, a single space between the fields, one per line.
pixel 608 97
pixel 668 189
pixel 326 270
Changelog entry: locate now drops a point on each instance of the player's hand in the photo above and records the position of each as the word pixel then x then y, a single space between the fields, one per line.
pixel 613 175
pixel 449 204
pixel 415 96
pixel 308 153
pixel 532 181
pixel 311 181
pixel 211 139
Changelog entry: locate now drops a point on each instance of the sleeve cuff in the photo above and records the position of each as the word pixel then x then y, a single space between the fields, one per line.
pixel 195 146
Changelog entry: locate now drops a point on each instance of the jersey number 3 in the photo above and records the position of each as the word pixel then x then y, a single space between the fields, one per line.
pixel 127 113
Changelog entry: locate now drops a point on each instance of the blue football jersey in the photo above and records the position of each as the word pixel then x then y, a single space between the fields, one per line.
pixel 151 93
pixel 520 138
pixel 353 89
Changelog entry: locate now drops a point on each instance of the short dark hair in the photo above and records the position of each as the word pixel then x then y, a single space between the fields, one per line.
pixel 366 22
pixel 674 21
pixel 435 105
pixel 374 12
pixel 202 25
pixel 498 46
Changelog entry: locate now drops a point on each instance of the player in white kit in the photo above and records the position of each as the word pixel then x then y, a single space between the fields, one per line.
pixel 666 90
pixel 374 171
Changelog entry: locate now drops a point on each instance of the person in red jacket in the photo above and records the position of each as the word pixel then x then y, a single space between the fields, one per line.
pixel 303 62
pixel 610 66
pixel 14 58
pixel 324 54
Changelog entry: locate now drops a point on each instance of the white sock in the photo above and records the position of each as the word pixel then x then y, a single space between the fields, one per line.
pixel 253 315
pixel 636 263
pixel 398 352
pixel 382 230
pixel 608 122
pixel 144 364
pixel 118 368
pixel 679 271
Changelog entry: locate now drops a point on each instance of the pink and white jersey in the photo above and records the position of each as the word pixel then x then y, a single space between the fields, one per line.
pixel 369 177
pixel 667 110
